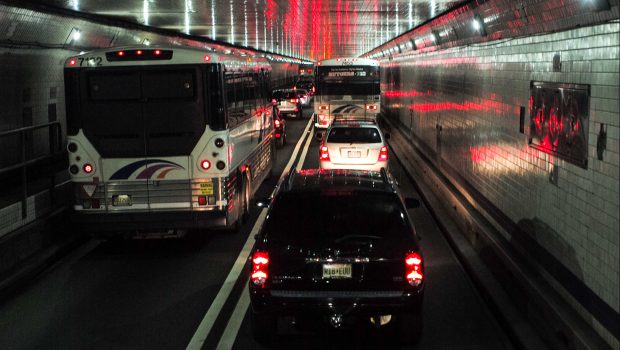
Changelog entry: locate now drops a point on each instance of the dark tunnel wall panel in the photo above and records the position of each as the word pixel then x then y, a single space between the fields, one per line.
pixel 559 120
pixel 465 105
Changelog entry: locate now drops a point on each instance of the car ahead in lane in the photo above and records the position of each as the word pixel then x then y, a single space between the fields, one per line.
pixel 287 102
pixel 354 145
pixel 304 97
pixel 305 84
pixel 337 249
pixel 280 130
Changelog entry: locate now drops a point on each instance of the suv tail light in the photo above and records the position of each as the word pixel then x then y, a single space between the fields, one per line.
pixel 324 153
pixel 260 267
pixel 413 269
pixel 383 154
pixel 277 123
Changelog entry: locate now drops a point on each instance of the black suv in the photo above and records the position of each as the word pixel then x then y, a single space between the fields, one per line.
pixel 337 248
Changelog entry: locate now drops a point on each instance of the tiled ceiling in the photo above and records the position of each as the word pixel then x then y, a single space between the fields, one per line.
pixel 313 29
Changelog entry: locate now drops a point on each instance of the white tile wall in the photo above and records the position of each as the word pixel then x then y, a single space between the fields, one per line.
pixel 484 145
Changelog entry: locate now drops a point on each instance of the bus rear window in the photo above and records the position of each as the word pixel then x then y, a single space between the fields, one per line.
pixel 147 85
pixel 114 86
pixel 168 85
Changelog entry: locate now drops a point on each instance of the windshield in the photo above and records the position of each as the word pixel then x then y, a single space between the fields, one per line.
pixel 319 217
pixel 354 135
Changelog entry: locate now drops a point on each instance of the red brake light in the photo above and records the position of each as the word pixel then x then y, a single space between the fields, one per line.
pixel 121 53
pixel 371 107
pixel 260 265
pixel 202 200
pixel 383 154
pixel 72 62
pixel 139 52
pixel 413 269
pixel 277 123
pixel 324 153
pixel 294 100
pixel 157 52
pixel 323 108
pixel 205 164
pixel 207 58
pixel 88 168
pixel 273 101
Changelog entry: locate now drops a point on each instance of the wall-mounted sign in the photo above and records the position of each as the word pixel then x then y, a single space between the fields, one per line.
pixel 559 115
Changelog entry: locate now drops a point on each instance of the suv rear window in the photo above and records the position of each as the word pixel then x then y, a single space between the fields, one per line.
pixel 354 135
pixel 319 217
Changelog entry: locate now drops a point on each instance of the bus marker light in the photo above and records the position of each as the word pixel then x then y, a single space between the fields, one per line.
pixel 207 58
pixel 139 52
pixel 121 53
pixel 157 52
pixel 72 62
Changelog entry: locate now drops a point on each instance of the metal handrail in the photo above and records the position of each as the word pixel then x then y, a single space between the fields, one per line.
pixel 55 147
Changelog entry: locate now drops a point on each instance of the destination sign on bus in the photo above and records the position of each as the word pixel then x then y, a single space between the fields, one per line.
pixel 337 72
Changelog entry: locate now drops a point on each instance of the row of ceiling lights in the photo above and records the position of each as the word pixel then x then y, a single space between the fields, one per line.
pixel 76 34
pixel 478 24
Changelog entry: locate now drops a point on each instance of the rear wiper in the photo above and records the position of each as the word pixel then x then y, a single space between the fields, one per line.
pixel 348 237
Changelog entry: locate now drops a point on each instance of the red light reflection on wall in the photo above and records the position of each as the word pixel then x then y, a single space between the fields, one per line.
pixel 414 93
pixel 465 106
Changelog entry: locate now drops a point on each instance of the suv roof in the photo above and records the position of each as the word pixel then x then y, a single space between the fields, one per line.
pixel 339 180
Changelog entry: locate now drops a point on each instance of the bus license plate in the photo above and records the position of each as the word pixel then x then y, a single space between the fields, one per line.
pixel 206 188
pixel 336 270
pixel 355 154
pixel 121 200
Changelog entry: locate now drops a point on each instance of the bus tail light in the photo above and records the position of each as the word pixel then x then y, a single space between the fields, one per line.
pixel 324 155
pixel 371 107
pixel 323 108
pixel 294 100
pixel 202 200
pixel 260 267
pixel 413 269
pixel 88 168
pixel 205 164
pixel 383 154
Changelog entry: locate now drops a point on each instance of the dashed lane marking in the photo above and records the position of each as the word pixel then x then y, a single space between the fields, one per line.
pixel 202 332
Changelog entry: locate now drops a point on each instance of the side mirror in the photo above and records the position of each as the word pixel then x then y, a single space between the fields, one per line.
pixel 412 203
pixel 263 202
pixel 386 135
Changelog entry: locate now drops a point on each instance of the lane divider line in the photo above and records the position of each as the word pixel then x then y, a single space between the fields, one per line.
pixel 204 328
pixel 300 164
pixel 234 323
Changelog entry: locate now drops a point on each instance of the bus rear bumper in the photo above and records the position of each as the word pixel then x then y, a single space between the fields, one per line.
pixel 108 223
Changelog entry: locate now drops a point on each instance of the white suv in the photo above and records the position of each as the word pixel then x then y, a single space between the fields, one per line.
pixel 354 145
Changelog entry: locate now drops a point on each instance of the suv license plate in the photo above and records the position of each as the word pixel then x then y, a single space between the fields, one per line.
pixel 336 270
pixel 121 200
pixel 354 154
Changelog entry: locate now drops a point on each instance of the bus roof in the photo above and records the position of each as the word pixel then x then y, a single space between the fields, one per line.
pixel 349 61
pixel 167 55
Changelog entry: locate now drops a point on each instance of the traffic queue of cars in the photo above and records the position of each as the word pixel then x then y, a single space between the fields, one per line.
pixel 338 248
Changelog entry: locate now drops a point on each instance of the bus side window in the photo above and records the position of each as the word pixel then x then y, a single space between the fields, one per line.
pixel 216 93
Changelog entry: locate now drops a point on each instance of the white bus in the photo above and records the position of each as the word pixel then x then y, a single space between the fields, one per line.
pixel 166 139
pixel 345 88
